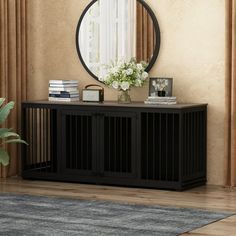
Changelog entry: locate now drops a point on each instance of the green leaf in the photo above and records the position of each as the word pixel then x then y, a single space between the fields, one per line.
pixel 15 141
pixel 2 100
pixel 4 130
pixel 4 157
pixel 4 111
pixel 9 134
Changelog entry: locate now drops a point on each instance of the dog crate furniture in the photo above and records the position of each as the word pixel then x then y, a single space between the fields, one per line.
pixel 134 144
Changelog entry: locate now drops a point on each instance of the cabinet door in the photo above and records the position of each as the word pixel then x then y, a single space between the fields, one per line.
pixel 160 134
pixel 118 144
pixel 39 129
pixel 77 142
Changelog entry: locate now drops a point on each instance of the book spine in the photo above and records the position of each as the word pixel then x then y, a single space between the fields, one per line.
pixel 63 95
pixel 68 90
pixel 63 99
pixel 63 85
pixel 64 92
pixel 63 82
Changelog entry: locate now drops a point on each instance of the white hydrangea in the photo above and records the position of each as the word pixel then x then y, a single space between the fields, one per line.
pixel 129 71
pixel 140 66
pixel 125 85
pixel 138 83
pixel 115 84
pixel 144 75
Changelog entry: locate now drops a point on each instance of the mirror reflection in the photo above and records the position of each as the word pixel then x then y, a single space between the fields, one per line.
pixel 115 30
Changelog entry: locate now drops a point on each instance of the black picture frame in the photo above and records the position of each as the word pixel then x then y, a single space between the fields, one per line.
pixel 153 90
pixel 156 28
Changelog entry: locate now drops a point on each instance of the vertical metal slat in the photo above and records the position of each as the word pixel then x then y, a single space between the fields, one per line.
pixel 154 147
pixel 87 143
pixel 120 146
pixel 109 143
pixel 160 147
pixel 147 138
pixel 126 144
pixel 35 138
pixel 114 144
pixel 166 147
pixel 46 139
pixel 173 148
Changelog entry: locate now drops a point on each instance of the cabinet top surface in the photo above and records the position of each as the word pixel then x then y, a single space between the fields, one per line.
pixel 115 104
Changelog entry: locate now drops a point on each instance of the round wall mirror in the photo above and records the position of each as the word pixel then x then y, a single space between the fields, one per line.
pixel 116 30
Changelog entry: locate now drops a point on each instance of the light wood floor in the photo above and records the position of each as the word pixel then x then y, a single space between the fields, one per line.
pixel 207 197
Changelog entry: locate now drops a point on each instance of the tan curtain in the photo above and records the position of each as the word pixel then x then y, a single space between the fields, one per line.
pixel 230 119
pixel 13 68
pixel 145 35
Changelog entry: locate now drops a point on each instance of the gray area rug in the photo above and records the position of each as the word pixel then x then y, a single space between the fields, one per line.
pixel 32 215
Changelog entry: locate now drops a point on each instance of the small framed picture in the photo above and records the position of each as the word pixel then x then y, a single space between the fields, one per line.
pixel 160 87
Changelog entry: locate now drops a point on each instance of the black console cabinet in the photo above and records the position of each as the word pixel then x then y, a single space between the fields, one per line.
pixel 132 145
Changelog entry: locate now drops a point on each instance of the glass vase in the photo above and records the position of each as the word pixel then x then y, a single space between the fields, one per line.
pixel 124 97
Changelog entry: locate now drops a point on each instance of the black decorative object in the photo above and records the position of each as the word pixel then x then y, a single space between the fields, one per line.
pixel 156 36
pixel 160 87
pixel 119 144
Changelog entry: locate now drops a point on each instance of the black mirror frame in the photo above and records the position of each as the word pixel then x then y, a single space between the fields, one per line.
pixel 156 27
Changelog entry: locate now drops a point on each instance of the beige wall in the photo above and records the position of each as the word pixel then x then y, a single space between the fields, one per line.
pixel 192 52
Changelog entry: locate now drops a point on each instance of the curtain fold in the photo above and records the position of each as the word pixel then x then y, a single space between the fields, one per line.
pixel 13 69
pixel 230 92
pixel 145 34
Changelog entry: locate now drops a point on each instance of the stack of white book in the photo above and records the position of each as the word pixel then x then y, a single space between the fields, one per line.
pixel 63 90
pixel 161 100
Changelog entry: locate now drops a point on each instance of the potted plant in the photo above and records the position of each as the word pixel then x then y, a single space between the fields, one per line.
pixel 6 134
pixel 124 75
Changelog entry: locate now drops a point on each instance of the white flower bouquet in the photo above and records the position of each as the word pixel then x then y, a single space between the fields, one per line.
pixel 124 75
